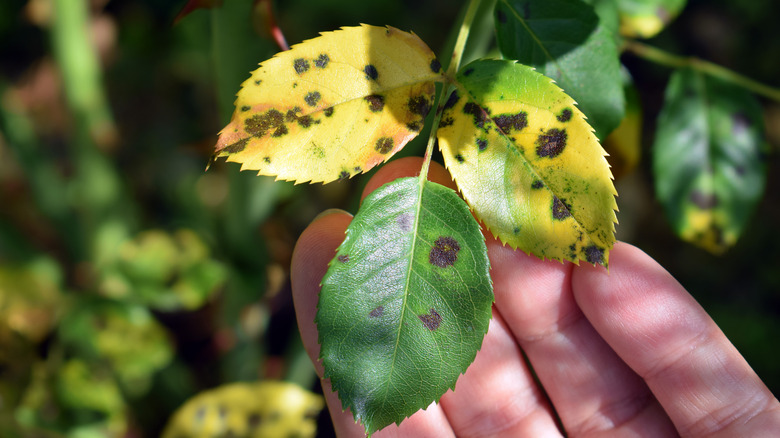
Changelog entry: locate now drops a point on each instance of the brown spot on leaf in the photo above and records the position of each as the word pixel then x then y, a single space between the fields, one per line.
pixel 343 258
pixel 384 145
pixel 322 61
pixel 705 201
pixel 313 98
pixel 594 254
pixel 261 124
pixel 444 252
pixel 301 65
pixel 431 320
pixel 237 146
pixel 435 65
pixel 565 115
pixel 376 102
pixel 479 115
pixel 509 122
pixel 371 72
pixel 560 210
pixel 419 105
pixel 551 143
pixel 376 313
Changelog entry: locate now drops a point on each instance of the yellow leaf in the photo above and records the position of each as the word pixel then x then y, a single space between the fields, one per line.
pixel 528 164
pixel 332 106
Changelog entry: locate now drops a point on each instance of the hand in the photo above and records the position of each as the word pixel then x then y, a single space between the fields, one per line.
pixel 624 353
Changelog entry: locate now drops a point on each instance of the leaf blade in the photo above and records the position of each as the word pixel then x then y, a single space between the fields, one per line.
pixel 332 106
pixel 565 41
pixel 405 303
pixel 528 164
pixel 708 159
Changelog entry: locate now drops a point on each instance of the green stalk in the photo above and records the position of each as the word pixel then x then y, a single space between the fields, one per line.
pixel 661 57
pixel 457 56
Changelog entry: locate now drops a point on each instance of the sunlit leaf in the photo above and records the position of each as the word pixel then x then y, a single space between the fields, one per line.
pixel 333 106
pixel 405 303
pixel 645 18
pixel 708 159
pixel 267 409
pixel 528 163
pixel 564 39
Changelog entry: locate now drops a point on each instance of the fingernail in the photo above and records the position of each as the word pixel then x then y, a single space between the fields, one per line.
pixel 329 212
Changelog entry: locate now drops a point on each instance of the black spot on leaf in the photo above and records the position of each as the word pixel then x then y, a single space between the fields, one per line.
pixel 431 320
pixel 435 65
pixel 292 114
pixel 246 108
pixel 510 122
pixel 705 201
pixel 460 158
pixel 306 121
pixel 313 98
pixel 480 116
pixel 301 65
pixel 444 252
pixel 468 71
pixel 565 115
pixel 344 174
pixel 376 102
pixel 384 145
pixel 551 143
pixel 237 146
pixel 267 160
pixel 452 100
pixel 371 72
pixel 376 313
pixel 594 254
pixel 270 121
pixel 343 258
pixel 560 210
pixel 328 112
pixel 322 61
pixel 258 81
pixel 482 144
pixel 419 105
pixel 516 230
pixel 414 126
pixel 538 184
pixel 447 121
pixel 253 420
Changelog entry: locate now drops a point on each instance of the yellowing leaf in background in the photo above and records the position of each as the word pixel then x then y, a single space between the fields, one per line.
pixel 528 164
pixel 332 106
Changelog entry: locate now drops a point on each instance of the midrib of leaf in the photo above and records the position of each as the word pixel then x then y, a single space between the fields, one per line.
pixel 549 56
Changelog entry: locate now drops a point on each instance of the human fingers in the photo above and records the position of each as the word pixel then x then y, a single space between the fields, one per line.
pixel 591 388
pixel 704 384
pixel 497 396
pixel 314 249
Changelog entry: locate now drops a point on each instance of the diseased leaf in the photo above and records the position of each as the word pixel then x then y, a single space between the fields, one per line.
pixel 645 18
pixel 527 163
pixel 405 303
pixel 708 159
pixel 563 39
pixel 334 106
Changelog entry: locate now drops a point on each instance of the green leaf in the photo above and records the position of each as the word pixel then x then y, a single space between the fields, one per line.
pixel 333 106
pixel 645 18
pixel 564 40
pixel 527 162
pixel 405 303
pixel 708 158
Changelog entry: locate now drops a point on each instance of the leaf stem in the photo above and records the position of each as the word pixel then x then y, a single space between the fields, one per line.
pixel 457 55
pixel 662 57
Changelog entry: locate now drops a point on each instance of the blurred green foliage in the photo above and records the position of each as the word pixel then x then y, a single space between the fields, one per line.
pixel 131 280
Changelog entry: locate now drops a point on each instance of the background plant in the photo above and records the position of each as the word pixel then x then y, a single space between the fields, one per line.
pixel 70 199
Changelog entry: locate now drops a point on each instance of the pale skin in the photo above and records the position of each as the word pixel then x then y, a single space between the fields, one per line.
pixel 621 353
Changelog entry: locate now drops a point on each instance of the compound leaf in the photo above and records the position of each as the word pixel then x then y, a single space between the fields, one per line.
pixel 565 40
pixel 527 162
pixel 332 106
pixel 708 159
pixel 405 303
